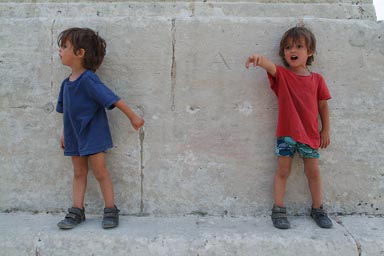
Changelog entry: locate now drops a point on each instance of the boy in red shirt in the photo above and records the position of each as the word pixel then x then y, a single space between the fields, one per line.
pixel 302 97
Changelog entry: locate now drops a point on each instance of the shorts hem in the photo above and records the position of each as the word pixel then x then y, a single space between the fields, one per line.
pixel 88 152
pixel 286 146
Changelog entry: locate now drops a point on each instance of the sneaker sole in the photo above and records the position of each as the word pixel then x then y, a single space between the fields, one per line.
pixel 110 226
pixel 65 226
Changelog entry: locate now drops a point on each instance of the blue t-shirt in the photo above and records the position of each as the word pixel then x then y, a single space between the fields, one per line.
pixel 83 103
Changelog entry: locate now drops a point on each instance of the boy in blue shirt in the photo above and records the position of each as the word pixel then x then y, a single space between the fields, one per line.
pixel 83 99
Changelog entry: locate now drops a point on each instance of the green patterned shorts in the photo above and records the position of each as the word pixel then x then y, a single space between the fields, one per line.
pixel 286 146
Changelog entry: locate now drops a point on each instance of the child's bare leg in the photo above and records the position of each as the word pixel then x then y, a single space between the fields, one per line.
pixel 280 180
pixel 312 171
pixel 80 173
pixel 101 174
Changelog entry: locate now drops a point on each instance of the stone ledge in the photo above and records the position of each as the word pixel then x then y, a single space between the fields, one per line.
pixel 106 9
pixel 26 234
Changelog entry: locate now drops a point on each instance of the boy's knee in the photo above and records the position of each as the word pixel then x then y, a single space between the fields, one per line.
pixel 100 174
pixel 283 173
pixel 80 173
pixel 313 174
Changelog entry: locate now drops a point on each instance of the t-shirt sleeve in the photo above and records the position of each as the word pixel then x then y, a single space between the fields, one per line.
pixel 59 105
pixel 102 94
pixel 273 81
pixel 323 91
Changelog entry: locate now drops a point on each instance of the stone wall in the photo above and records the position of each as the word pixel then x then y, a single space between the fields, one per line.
pixel 208 143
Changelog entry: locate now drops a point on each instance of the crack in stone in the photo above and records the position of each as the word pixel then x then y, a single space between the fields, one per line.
pixel 357 243
pixel 52 45
pixel 47 108
pixel 141 137
pixel 173 67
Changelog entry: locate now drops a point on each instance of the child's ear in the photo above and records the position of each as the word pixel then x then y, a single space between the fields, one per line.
pixel 80 53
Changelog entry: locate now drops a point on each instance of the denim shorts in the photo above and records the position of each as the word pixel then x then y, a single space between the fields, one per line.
pixel 286 146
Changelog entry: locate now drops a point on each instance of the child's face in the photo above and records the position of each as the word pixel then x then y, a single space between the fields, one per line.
pixel 296 53
pixel 67 56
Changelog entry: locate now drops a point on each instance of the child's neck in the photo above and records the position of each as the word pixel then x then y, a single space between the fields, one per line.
pixel 76 73
pixel 302 71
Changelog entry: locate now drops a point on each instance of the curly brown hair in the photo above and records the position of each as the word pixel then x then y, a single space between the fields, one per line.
pixel 87 39
pixel 295 34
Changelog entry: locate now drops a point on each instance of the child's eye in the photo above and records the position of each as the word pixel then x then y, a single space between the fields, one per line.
pixel 287 47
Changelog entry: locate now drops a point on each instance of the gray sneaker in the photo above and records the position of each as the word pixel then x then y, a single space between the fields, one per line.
pixel 110 217
pixel 321 218
pixel 74 217
pixel 279 217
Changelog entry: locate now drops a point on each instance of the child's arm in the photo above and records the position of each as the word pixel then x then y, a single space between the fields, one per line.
pixel 136 120
pixel 263 62
pixel 325 126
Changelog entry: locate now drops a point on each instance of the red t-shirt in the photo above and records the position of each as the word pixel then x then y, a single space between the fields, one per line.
pixel 298 98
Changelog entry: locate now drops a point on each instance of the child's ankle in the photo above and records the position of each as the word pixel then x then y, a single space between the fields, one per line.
pixel 317 206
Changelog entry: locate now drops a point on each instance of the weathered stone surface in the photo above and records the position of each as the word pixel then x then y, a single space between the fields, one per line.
pixel 207 146
pixel 189 235
pixel 333 9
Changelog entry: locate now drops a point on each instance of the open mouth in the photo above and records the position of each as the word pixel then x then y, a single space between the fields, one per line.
pixel 294 57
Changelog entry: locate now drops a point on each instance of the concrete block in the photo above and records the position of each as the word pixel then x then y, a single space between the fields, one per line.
pixel 367 234
pixel 28 234
pixel 207 146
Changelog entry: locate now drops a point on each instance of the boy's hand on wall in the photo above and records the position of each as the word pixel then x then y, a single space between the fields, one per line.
pixel 137 122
